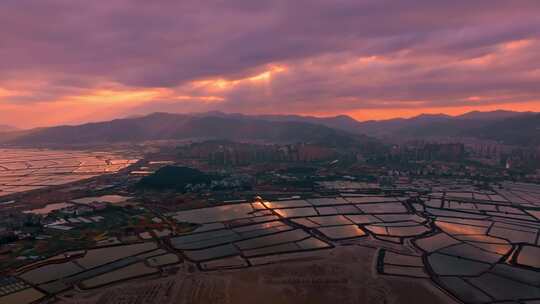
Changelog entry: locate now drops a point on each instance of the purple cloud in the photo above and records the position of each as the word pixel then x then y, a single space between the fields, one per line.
pixel 342 55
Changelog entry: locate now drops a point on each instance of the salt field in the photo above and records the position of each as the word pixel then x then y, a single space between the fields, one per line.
pixel 30 169
pixel 464 243
pixel 480 247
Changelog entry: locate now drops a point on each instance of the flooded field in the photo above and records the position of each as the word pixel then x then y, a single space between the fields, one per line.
pixel 134 270
pixel 110 199
pixel 90 269
pixel 49 208
pixel 26 296
pixel 468 245
pixel 480 247
pixel 30 169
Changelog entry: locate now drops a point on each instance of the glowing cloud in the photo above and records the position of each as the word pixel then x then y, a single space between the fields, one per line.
pixel 226 84
pixel 99 61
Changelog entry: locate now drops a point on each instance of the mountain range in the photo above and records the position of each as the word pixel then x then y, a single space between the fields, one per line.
pixel 436 124
pixel 424 125
pixel 514 128
pixel 508 127
pixel 166 126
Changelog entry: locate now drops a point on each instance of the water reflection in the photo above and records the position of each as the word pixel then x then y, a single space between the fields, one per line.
pixel 49 208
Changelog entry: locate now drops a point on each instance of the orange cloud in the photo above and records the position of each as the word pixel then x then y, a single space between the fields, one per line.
pixel 220 84
pixel 5 93
pixel 517 44
pixel 110 96
pixel 377 114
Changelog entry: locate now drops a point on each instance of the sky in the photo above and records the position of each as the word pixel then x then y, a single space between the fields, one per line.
pixel 73 61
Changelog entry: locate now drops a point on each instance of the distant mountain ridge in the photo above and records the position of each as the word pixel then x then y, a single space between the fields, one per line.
pixel 435 124
pixel 493 115
pixel 508 127
pixel 337 130
pixel 7 128
pixel 165 126
pixel 340 122
pixel 419 126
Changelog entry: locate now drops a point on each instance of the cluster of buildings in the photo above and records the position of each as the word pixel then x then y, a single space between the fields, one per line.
pixel 235 181
pixel 421 150
pixel 229 153
pixel 522 159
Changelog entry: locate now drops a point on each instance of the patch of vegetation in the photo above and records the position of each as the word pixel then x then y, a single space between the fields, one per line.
pixel 174 178
pixel 300 170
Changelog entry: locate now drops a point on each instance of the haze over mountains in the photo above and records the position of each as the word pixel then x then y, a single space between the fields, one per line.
pixel 6 128
pixel 513 128
pixel 165 126
pixel 516 128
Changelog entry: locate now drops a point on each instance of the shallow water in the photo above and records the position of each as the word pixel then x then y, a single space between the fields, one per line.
pixel 342 232
pixel 211 253
pixel 131 271
pixel 30 169
pixel 111 199
pixel 215 214
pixel 49 208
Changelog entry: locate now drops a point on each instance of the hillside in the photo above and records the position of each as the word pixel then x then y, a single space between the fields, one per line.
pixel 523 131
pixel 340 122
pixel 483 125
pixel 390 127
pixel 173 177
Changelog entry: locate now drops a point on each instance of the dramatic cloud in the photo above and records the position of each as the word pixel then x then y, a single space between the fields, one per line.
pixel 68 61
